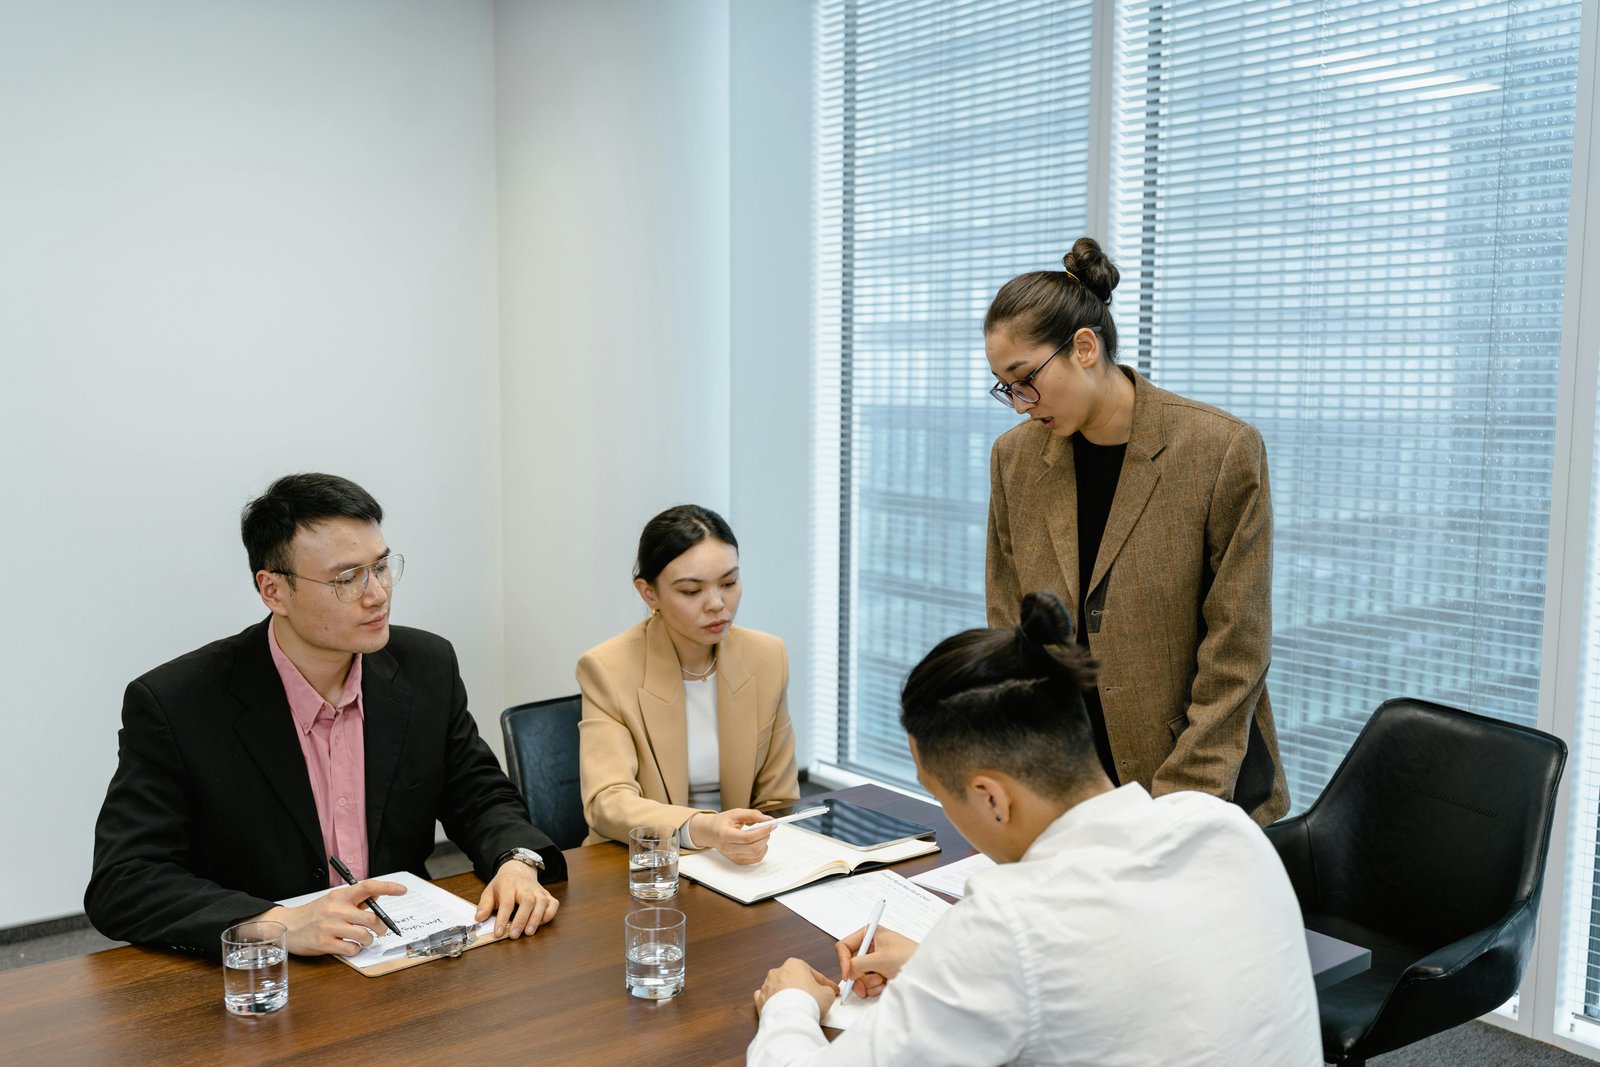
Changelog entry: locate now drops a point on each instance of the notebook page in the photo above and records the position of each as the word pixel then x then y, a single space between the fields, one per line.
pixel 793 858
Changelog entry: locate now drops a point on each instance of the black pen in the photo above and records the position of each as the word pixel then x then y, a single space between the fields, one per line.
pixel 344 872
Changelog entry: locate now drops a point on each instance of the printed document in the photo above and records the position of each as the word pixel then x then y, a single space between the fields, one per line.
pixel 424 909
pixel 951 879
pixel 843 907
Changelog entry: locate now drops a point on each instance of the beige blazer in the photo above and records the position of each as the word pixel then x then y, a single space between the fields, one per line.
pixel 1179 614
pixel 634 742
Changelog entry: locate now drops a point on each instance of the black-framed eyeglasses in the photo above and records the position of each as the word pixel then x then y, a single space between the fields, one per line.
pixel 349 584
pixel 1023 389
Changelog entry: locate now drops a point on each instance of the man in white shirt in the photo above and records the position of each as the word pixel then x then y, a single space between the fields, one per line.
pixel 1117 929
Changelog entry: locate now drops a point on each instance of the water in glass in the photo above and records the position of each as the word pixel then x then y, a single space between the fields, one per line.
pixel 655 970
pixel 255 978
pixel 653 875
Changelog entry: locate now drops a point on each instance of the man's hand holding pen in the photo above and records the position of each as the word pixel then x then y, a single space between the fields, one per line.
pixel 867 972
pixel 868 959
pixel 335 924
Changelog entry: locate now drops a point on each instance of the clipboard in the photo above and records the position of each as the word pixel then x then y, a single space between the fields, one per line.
pixel 429 918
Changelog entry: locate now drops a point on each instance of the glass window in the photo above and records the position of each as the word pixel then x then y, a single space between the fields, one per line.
pixel 952 154
pixel 1348 225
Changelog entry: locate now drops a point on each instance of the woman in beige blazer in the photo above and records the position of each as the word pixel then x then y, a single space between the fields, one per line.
pixel 685 716
pixel 1149 515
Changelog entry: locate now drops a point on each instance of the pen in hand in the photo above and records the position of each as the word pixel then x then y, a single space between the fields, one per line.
pixel 808 813
pixel 866 946
pixel 344 872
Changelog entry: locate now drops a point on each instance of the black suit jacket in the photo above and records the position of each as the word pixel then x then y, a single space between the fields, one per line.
pixel 210 818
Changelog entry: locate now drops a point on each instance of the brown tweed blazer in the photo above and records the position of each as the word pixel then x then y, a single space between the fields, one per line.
pixel 1179 613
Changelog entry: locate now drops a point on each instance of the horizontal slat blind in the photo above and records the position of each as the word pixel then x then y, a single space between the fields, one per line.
pixel 951 149
pixel 1346 223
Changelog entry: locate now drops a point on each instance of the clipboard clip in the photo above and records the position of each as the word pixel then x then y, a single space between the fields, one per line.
pixel 450 942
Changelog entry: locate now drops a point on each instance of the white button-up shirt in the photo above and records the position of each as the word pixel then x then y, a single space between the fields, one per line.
pixel 1135 931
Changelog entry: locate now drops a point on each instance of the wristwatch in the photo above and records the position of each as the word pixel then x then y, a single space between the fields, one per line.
pixel 521 855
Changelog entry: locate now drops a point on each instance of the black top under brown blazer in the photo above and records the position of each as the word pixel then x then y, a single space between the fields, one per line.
pixel 1179 605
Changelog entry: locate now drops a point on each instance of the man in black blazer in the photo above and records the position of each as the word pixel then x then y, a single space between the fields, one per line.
pixel 236 760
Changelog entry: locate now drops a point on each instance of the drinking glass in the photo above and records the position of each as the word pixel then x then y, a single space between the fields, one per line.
pixel 255 967
pixel 653 862
pixel 655 943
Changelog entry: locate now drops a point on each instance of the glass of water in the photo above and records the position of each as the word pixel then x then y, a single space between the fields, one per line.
pixel 653 862
pixel 255 967
pixel 655 938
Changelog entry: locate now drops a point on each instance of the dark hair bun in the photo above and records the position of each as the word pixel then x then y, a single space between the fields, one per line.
pixel 1044 621
pixel 1044 644
pixel 1087 263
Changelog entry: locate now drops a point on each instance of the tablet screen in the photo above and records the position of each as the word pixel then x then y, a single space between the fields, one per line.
pixel 861 827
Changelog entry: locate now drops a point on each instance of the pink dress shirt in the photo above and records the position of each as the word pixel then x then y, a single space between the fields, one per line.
pixel 332 739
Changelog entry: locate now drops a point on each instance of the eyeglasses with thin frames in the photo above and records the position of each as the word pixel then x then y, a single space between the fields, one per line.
pixel 350 585
pixel 1023 389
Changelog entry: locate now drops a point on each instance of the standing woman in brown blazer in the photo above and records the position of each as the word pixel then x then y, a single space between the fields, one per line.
pixel 686 716
pixel 1149 515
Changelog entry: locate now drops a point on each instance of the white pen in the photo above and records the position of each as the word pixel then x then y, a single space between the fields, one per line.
pixel 808 813
pixel 866 946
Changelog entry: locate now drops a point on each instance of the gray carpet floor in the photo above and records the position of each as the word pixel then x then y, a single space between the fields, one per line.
pixel 1472 1045
pixel 1479 1045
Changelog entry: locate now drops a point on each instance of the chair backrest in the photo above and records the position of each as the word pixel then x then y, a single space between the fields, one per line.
pixel 542 759
pixel 1436 823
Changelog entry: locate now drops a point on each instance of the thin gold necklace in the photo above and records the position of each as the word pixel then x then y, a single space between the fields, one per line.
pixel 701 675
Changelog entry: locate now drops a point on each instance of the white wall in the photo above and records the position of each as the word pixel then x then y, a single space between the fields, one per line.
pixel 613 142
pixel 770 300
pixel 529 271
pixel 239 239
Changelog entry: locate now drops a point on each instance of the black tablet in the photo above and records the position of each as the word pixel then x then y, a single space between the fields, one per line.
pixel 862 828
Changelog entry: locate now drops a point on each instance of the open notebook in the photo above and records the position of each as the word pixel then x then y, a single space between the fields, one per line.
pixel 424 909
pixel 794 858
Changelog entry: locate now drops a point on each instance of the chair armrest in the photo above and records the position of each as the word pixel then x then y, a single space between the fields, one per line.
pixel 1458 982
pixel 1292 839
pixel 1445 961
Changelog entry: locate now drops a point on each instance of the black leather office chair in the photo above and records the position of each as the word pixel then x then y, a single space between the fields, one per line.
pixel 542 759
pixel 1427 847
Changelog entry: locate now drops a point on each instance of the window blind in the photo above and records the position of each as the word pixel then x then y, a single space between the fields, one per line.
pixel 951 156
pixel 1346 223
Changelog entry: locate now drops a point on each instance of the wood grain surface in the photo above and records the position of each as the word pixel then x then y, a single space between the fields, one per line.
pixel 557 997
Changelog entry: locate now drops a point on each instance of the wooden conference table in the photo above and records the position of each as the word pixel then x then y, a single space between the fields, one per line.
pixel 551 999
